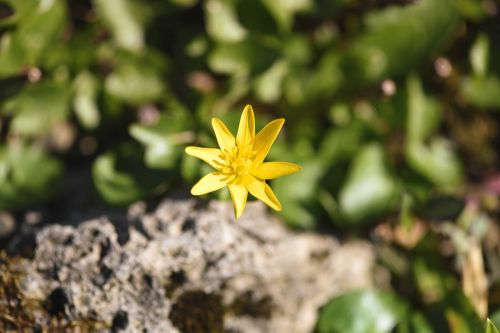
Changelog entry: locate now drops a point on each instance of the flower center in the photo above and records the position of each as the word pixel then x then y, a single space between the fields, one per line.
pixel 240 165
pixel 237 163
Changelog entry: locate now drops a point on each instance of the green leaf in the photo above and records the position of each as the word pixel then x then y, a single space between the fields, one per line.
pixel 481 89
pixel 298 192
pixel 268 85
pixel 165 140
pixel 479 55
pixel 490 327
pixel 191 169
pixel 256 18
pixel 432 283
pixel 297 214
pixel 85 101
pixel 20 10
pixel 284 11
pixel 38 107
pixel 482 92
pixel 460 315
pixel 416 322
pixel 11 86
pixel 184 3
pixel 303 87
pixel 120 18
pixel 444 208
pixel 40 25
pixel 370 188
pixel 424 113
pixel 300 186
pixel 495 318
pixel 447 308
pixel 135 84
pixel 342 143
pixel 121 177
pixel 42 28
pixel 436 162
pixel 471 9
pixel 249 56
pixel 432 157
pixel 398 39
pixel 222 23
pixel 366 311
pixel 12 56
pixel 27 176
pixel 420 324
pixel 297 50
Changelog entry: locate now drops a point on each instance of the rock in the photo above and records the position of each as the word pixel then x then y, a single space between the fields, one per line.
pixel 191 268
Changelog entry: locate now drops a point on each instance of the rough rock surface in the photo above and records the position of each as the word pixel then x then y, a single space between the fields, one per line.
pixel 191 268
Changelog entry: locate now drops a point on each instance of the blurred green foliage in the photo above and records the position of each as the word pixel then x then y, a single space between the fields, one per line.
pixel 160 69
pixel 388 105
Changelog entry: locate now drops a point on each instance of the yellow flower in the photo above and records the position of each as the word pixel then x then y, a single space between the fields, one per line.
pixel 239 163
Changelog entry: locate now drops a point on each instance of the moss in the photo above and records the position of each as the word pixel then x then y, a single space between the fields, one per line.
pixel 20 314
pixel 177 279
pixel 249 305
pixel 198 312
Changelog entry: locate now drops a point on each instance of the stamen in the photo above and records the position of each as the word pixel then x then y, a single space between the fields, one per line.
pixel 236 163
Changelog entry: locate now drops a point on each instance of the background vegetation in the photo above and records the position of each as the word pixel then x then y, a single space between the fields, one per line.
pixel 391 107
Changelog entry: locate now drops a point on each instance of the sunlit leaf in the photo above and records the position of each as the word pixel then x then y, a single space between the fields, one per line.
pixel 40 25
pixel 366 311
pixel 479 55
pixel 268 86
pixel 38 107
pixel 369 188
pixel 482 92
pixel 424 113
pixel 134 84
pixel 119 16
pixel 284 10
pixel 431 156
pixel 436 162
pixel 490 327
pixel 495 318
pixel 85 100
pixel 222 23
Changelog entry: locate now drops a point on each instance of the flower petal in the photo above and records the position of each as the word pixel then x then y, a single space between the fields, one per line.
pixel 262 191
pixel 224 138
pixel 209 183
pixel 212 156
pixel 246 128
pixel 239 196
pixel 271 170
pixel 265 138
